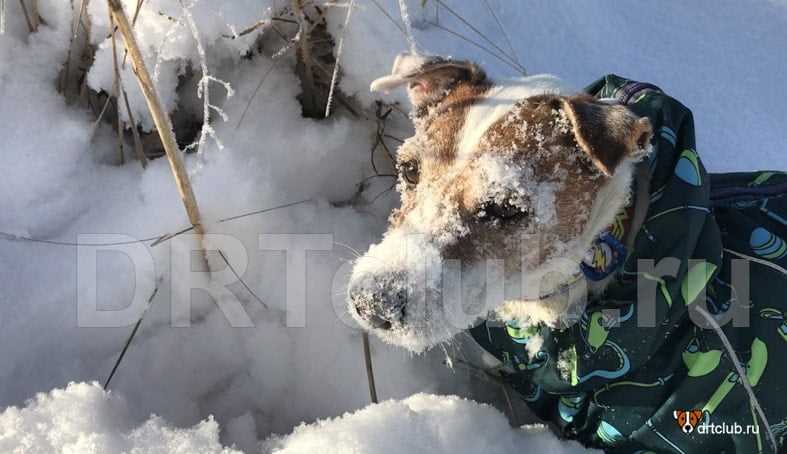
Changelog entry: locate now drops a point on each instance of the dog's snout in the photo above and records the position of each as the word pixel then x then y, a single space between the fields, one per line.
pixel 380 310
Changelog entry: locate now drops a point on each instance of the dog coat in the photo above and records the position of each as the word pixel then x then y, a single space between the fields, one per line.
pixel 638 374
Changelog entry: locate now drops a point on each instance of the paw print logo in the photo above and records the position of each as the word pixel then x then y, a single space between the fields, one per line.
pixel 687 419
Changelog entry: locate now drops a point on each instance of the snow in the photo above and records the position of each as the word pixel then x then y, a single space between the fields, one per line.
pixel 57 183
pixel 83 419
pixel 422 423
pixel 31 193
pixel 168 44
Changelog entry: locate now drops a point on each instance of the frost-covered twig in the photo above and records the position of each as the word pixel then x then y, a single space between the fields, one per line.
pixel 203 87
pixel 235 34
pixel 408 26
pixel 160 50
pixel 339 49
pixel 255 26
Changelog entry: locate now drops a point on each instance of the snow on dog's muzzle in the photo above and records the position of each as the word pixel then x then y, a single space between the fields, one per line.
pixel 380 305
pixel 396 292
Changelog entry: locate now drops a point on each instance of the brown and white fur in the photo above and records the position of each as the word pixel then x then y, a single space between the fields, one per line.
pixel 504 186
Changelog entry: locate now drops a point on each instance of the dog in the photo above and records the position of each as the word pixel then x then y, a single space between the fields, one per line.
pixel 529 206
pixel 475 184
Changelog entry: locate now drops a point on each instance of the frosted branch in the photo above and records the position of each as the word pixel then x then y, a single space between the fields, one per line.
pixel 339 51
pixel 203 86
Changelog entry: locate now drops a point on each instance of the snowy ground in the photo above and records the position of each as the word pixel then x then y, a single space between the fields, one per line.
pixel 724 59
pixel 84 419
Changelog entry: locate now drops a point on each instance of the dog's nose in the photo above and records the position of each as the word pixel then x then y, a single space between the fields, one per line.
pixel 381 311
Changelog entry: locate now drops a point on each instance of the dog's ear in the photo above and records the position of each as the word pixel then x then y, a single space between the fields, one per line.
pixel 676 414
pixel 607 133
pixel 428 78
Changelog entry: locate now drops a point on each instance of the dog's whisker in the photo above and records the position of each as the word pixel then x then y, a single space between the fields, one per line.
pixel 346 260
pixel 350 248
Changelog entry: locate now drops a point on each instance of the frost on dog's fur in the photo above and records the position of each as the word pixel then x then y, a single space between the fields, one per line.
pixel 505 188
pixel 498 103
pixel 411 255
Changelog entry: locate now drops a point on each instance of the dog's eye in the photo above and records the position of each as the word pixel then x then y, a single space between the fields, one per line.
pixel 505 211
pixel 410 172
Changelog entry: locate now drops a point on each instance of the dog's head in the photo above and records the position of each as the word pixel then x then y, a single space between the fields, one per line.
pixel 503 187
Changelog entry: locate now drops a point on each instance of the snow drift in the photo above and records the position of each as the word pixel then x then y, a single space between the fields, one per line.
pixel 422 423
pixel 84 419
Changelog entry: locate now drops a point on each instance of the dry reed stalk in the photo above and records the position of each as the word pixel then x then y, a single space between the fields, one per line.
pixel 512 59
pixel 160 119
pixel 120 89
pixel 123 64
pixel 511 48
pixel 367 359
pixel 304 66
pixel 133 23
pixel 31 15
pixel 35 18
pixel 138 148
pixel 116 88
pixel 502 58
pixel 74 31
